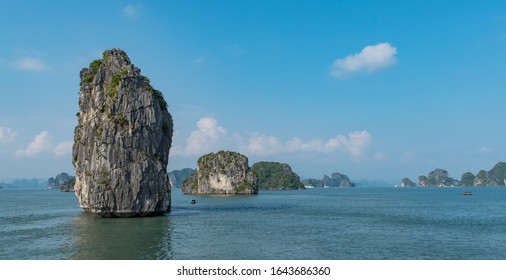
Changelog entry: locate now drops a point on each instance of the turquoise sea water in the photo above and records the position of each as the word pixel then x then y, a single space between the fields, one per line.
pixel 355 223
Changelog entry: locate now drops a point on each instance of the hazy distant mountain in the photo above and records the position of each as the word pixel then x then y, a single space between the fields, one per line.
pixel 335 180
pixel 177 177
pixel 23 184
pixel 63 182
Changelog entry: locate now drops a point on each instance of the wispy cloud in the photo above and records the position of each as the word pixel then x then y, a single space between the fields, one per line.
pixel 485 150
pixel 63 148
pixel 234 49
pixel 30 64
pixel 132 11
pixel 210 136
pixel 369 59
pixel 7 135
pixel 380 156
pixel 354 144
pixel 408 156
pixel 200 60
pixel 41 143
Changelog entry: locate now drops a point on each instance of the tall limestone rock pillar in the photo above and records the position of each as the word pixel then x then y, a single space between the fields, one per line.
pixel 122 141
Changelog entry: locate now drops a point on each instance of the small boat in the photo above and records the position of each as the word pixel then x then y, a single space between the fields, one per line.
pixel 467 193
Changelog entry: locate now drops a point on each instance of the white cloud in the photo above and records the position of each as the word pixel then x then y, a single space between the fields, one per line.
pixel 379 156
pixel 408 156
pixel 354 144
pixel 63 148
pixel 210 137
pixel 132 11
pixel 7 135
pixel 369 59
pixel 41 143
pixel 202 140
pixel 264 145
pixel 30 64
pixel 485 150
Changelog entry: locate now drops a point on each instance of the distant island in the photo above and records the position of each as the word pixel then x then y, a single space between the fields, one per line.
pixel 63 182
pixel 268 176
pixel 24 184
pixel 440 178
pixel 335 180
pixel 177 177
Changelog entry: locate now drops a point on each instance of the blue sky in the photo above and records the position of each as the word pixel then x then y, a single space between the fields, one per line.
pixel 372 89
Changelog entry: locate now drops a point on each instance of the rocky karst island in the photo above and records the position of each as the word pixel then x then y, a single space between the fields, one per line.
pixel 122 141
pixel 224 173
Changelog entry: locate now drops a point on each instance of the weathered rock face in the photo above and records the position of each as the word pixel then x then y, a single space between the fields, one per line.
pixel 482 179
pixel 68 186
pixel 423 181
pixel 122 141
pixel 224 172
pixel 276 176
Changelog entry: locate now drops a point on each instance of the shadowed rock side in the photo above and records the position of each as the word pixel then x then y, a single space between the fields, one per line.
pixel 224 172
pixel 406 182
pixel 122 141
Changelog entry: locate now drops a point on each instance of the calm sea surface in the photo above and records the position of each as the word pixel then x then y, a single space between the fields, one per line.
pixel 355 223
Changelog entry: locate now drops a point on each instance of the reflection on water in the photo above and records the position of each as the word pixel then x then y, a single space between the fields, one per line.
pixel 93 238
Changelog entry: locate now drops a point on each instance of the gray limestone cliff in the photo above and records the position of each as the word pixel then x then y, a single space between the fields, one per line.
pixel 122 141
pixel 68 186
pixel 224 172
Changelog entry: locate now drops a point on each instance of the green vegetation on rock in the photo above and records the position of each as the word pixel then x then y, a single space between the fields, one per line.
pixel 467 179
pixel 276 176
